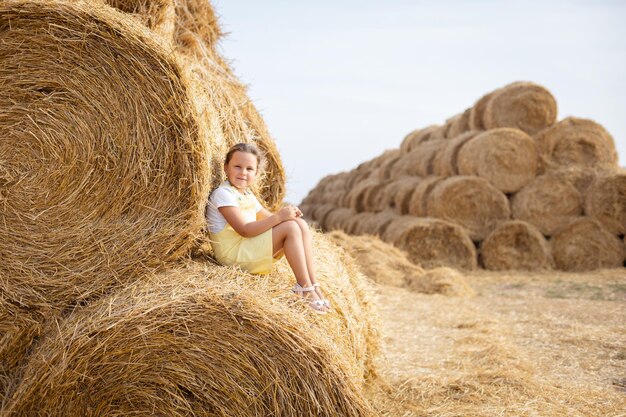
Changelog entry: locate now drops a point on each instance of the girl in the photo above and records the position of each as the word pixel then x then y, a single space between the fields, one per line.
pixel 244 233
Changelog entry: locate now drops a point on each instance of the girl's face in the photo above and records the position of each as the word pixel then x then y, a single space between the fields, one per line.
pixel 241 170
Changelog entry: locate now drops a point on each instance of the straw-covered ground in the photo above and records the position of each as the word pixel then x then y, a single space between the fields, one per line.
pixel 528 344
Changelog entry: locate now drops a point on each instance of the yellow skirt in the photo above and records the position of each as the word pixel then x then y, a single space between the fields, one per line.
pixel 252 254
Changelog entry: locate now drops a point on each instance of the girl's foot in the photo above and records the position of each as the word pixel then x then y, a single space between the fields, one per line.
pixel 318 291
pixel 314 301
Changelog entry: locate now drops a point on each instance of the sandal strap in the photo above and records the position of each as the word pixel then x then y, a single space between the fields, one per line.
pixel 299 288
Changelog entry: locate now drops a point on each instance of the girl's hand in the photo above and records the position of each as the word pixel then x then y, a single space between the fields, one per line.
pixel 298 212
pixel 288 213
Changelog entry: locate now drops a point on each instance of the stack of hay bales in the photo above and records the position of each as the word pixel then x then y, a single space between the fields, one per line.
pixel 112 142
pixel 502 185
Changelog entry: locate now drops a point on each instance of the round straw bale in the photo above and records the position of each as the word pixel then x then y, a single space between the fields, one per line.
pixel 416 137
pixel 459 125
pixel 584 245
pixel 505 157
pixel 526 106
pixel 606 201
pixel 395 229
pixel 576 142
pixel 471 202
pixel 337 219
pixel 419 162
pixel 373 200
pixel 356 177
pixel 106 167
pixel 581 178
pixel 478 110
pixel 403 194
pixel 417 202
pixel 445 161
pixel 375 225
pixel 358 192
pixel 389 194
pixel 516 245
pixel 321 212
pixel 433 242
pixel 204 341
pixel 354 222
pixel 549 202
pixel 379 261
pixel 442 280
pixel 196 23
pixel 437 134
pixel 386 168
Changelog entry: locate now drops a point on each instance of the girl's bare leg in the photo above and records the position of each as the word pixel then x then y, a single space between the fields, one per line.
pixel 307 244
pixel 287 236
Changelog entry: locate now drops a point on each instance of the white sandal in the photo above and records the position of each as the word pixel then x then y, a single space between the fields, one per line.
pixel 326 302
pixel 317 305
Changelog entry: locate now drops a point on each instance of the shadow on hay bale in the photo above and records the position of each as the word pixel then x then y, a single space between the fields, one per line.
pixel 205 340
pixel 606 201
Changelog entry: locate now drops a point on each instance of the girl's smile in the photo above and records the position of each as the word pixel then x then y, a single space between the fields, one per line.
pixel 241 170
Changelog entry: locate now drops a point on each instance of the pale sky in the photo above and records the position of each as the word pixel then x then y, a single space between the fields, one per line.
pixel 338 82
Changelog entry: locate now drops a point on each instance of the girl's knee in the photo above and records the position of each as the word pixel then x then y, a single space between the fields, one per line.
pixel 303 225
pixel 291 227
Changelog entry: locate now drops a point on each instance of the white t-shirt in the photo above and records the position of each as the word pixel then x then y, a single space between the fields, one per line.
pixel 226 196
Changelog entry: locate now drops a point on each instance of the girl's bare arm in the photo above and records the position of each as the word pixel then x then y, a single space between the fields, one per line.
pixel 267 220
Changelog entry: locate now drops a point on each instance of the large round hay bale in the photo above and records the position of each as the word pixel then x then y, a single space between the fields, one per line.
pixel 391 189
pixel 505 157
pixel 433 242
pixel 356 196
pixel 404 191
pixel 205 341
pixel 159 15
pixel 419 162
pixel 585 245
pixel 396 228
pixel 354 222
pixel 606 201
pixel 459 124
pixel 576 142
pixel 549 202
pixel 377 224
pixel 525 106
pixel 373 199
pixel 321 212
pixel 379 261
pixel 417 202
pixel 416 137
pixel 442 280
pixel 445 161
pixel 516 245
pixel 385 170
pixel 337 219
pixel 471 202
pixel 105 169
pixel 478 110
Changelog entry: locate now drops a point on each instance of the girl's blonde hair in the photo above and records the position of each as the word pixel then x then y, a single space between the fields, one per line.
pixel 245 147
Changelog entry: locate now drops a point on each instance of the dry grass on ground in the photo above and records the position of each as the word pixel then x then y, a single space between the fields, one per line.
pixel 529 344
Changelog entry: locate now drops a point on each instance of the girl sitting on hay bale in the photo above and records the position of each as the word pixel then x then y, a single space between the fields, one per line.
pixel 245 234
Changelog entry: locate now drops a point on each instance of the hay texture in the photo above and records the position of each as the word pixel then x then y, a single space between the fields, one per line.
pixel 477 111
pixel 459 124
pixel 337 219
pixel 431 243
pixel 203 340
pixel 506 157
pixel 585 245
pixel 549 202
pixel 606 201
pixel 576 142
pixel 516 245
pixel 419 162
pixel 98 183
pixel 445 161
pixel 471 202
pixel 416 137
pixel 379 261
pixel 525 106
pixel 417 202
pixel 405 189
pixel 442 280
